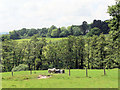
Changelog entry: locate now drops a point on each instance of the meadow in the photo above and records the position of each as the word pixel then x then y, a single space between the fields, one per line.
pixel 47 39
pixel 95 79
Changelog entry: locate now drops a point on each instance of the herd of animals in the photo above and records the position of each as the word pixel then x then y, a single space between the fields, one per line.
pixel 54 70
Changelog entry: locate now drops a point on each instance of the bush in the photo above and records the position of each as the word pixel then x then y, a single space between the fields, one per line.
pixel 21 67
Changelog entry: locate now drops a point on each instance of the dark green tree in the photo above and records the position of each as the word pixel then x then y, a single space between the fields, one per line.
pixel 84 27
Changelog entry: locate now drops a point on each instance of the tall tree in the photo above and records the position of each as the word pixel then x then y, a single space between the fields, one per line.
pixel 114 25
pixel 87 52
pixel 93 51
pixel 102 52
pixel 84 27
pixel 70 51
pixel 50 30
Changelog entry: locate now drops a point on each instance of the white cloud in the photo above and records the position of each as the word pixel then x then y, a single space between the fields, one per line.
pixel 17 14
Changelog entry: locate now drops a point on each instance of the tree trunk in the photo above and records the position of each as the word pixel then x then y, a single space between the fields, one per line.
pixel 86 72
pixel 29 65
pixel 34 62
pixel 12 73
pixel 104 72
pixel 88 65
pixel 88 62
pixel 34 65
pixel 41 65
pixel 82 63
pixel 69 71
pixel 76 64
pixel 82 59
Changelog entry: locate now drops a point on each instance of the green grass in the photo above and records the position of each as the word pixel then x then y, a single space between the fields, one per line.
pixel 77 79
pixel 48 39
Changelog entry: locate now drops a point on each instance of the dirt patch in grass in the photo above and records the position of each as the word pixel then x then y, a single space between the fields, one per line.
pixel 43 76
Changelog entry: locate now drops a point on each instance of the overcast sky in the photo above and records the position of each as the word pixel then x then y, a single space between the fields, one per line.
pixel 17 14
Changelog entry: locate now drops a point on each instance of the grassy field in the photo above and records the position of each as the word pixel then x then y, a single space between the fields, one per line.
pixel 77 79
pixel 47 39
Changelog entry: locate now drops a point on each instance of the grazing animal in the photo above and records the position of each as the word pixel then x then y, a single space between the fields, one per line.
pixel 51 70
pixel 62 71
pixel 55 71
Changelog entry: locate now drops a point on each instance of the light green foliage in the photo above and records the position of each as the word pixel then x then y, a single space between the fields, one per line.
pixel 76 31
pixel 50 30
pixel 87 52
pixel 114 33
pixel 69 28
pixel 114 25
pixel 94 31
pixel 63 29
pixel 55 33
pixel 101 56
pixel 21 67
pixel 93 51
pixel 64 32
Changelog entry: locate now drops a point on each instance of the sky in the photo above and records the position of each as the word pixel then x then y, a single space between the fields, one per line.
pixel 18 14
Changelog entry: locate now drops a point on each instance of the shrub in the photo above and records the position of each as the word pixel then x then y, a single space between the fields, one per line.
pixel 21 67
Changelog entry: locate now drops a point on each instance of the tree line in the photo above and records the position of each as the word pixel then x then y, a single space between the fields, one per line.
pixel 96 52
pixel 95 28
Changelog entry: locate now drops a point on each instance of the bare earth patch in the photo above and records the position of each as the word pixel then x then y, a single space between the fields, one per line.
pixel 43 76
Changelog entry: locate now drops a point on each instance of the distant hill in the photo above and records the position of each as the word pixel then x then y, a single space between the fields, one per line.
pixel 4 33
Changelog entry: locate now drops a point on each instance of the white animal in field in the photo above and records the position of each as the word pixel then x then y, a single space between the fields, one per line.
pixel 55 71
pixel 51 70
